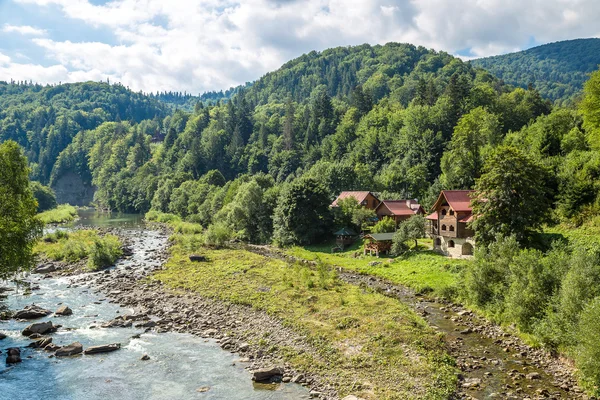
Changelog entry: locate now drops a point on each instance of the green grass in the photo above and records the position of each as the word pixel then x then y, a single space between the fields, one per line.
pixel 424 270
pixel 61 214
pixel 586 235
pixel 100 251
pixel 175 222
pixel 364 343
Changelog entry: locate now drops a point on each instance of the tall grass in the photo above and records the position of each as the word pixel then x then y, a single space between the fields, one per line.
pixel 61 214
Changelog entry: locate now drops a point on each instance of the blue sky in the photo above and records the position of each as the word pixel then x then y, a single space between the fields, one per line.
pixel 200 45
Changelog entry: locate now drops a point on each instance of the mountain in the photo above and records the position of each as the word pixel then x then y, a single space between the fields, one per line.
pixel 557 70
pixel 43 119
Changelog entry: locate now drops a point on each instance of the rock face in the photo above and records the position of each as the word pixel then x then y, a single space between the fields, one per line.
pixel 265 374
pixel 31 312
pixel 104 348
pixel 14 356
pixel 39 328
pixel 64 310
pixel 69 350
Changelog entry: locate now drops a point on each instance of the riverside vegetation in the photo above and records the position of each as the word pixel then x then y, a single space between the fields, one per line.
pixel 404 121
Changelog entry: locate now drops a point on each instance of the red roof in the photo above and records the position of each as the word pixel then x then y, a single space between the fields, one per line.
pixel 433 216
pixel 459 200
pixel 359 196
pixel 401 207
pixel 467 218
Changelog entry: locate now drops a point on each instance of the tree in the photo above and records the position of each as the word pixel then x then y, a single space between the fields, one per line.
pixel 590 109
pixel 386 225
pixel 511 197
pixel 302 215
pixel 19 227
pixel 44 196
pixel 409 230
pixel 350 213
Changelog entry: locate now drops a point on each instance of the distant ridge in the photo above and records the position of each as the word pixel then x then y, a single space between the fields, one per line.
pixel 558 70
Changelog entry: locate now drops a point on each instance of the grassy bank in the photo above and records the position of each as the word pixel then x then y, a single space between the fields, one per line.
pixel 175 222
pixel 61 214
pixel 365 343
pixel 424 271
pixel 100 251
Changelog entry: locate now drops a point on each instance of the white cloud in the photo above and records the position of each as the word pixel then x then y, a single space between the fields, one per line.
pixel 23 30
pixel 199 45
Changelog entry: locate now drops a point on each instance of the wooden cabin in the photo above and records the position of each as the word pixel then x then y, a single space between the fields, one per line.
pixel 378 243
pixel 399 210
pixel 344 237
pixel 365 199
pixel 449 223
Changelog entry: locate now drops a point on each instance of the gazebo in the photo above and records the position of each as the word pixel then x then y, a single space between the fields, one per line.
pixel 344 237
pixel 378 243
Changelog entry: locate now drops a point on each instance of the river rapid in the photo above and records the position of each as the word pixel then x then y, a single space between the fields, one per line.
pixel 181 366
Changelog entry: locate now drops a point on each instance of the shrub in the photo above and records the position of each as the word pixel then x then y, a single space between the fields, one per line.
pixel 386 225
pixel 217 234
pixel 104 252
pixel 587 353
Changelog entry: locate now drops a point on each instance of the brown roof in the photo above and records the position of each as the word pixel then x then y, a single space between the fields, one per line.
pixel 359 196
pixel 467 218
pixel 459 200
pixel 401 207
pixel 433 216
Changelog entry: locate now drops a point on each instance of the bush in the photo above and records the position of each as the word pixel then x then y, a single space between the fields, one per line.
pixel 162 217
pixel 104 252
pixel 386 225
pixel 587 353
pixel 44 195
pixel 58 215
pixel 217 234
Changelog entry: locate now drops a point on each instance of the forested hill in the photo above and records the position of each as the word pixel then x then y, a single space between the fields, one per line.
pixel 44 119
pixel 557 70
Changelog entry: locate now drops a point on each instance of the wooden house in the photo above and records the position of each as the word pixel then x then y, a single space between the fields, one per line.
pixel 398 210
pixel 365 199
pixel 449 223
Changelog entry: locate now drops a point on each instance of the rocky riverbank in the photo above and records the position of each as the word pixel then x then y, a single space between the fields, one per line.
pixel 484 351
pixel 252 334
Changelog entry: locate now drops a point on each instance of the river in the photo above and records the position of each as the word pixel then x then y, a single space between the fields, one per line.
pixel 179 364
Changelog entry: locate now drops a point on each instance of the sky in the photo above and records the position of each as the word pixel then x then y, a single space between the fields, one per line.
pixel 203 45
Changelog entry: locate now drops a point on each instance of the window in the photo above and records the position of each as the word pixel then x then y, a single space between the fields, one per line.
pixel 451 212
pixel 444 211
pixel 451 243
pixel 438 242
pixel 443 227
pixel 451 228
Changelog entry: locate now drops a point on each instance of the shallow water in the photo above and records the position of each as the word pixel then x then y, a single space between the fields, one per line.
pixel 179 364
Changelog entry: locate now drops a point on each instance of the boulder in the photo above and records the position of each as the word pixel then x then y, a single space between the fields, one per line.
pixel 45 268
pixel 145 357
pixel 39 328
pixel 118 322
pixel 104 348
pixel 63 310
pixel 31 312
pixel 265 374
pixel 198 258
pixel 14 355
pixel 2 336
pixel 69 350
pixel 40 343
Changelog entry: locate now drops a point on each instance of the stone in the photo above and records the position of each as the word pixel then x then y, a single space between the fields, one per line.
pixel 39 328
pixel 104 348
pixel 243 347
pixel 533 375
pixel 198 258
pixel 40 343
pixel 265 374
pixel 14 355
pixel 118 322
pixel 471 383
pixel 298 378
pixel 314 394
pixel 145 357
pixel 2 336
pixel 63 310
pixel 31 312
pixel 146 324
pixel 69 350
pixel 352 397
pixel 45 269
pixel 203 389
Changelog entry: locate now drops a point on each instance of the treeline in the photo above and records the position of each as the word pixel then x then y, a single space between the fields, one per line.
pixel 44 119
pixel 557 70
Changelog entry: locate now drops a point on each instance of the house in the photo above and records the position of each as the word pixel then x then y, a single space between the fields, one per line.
pixel 449 223
pixel 365 199
pixel 399 210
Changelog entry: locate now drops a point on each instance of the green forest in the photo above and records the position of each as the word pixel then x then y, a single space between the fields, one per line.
pixel 557 70
pixel 262 163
